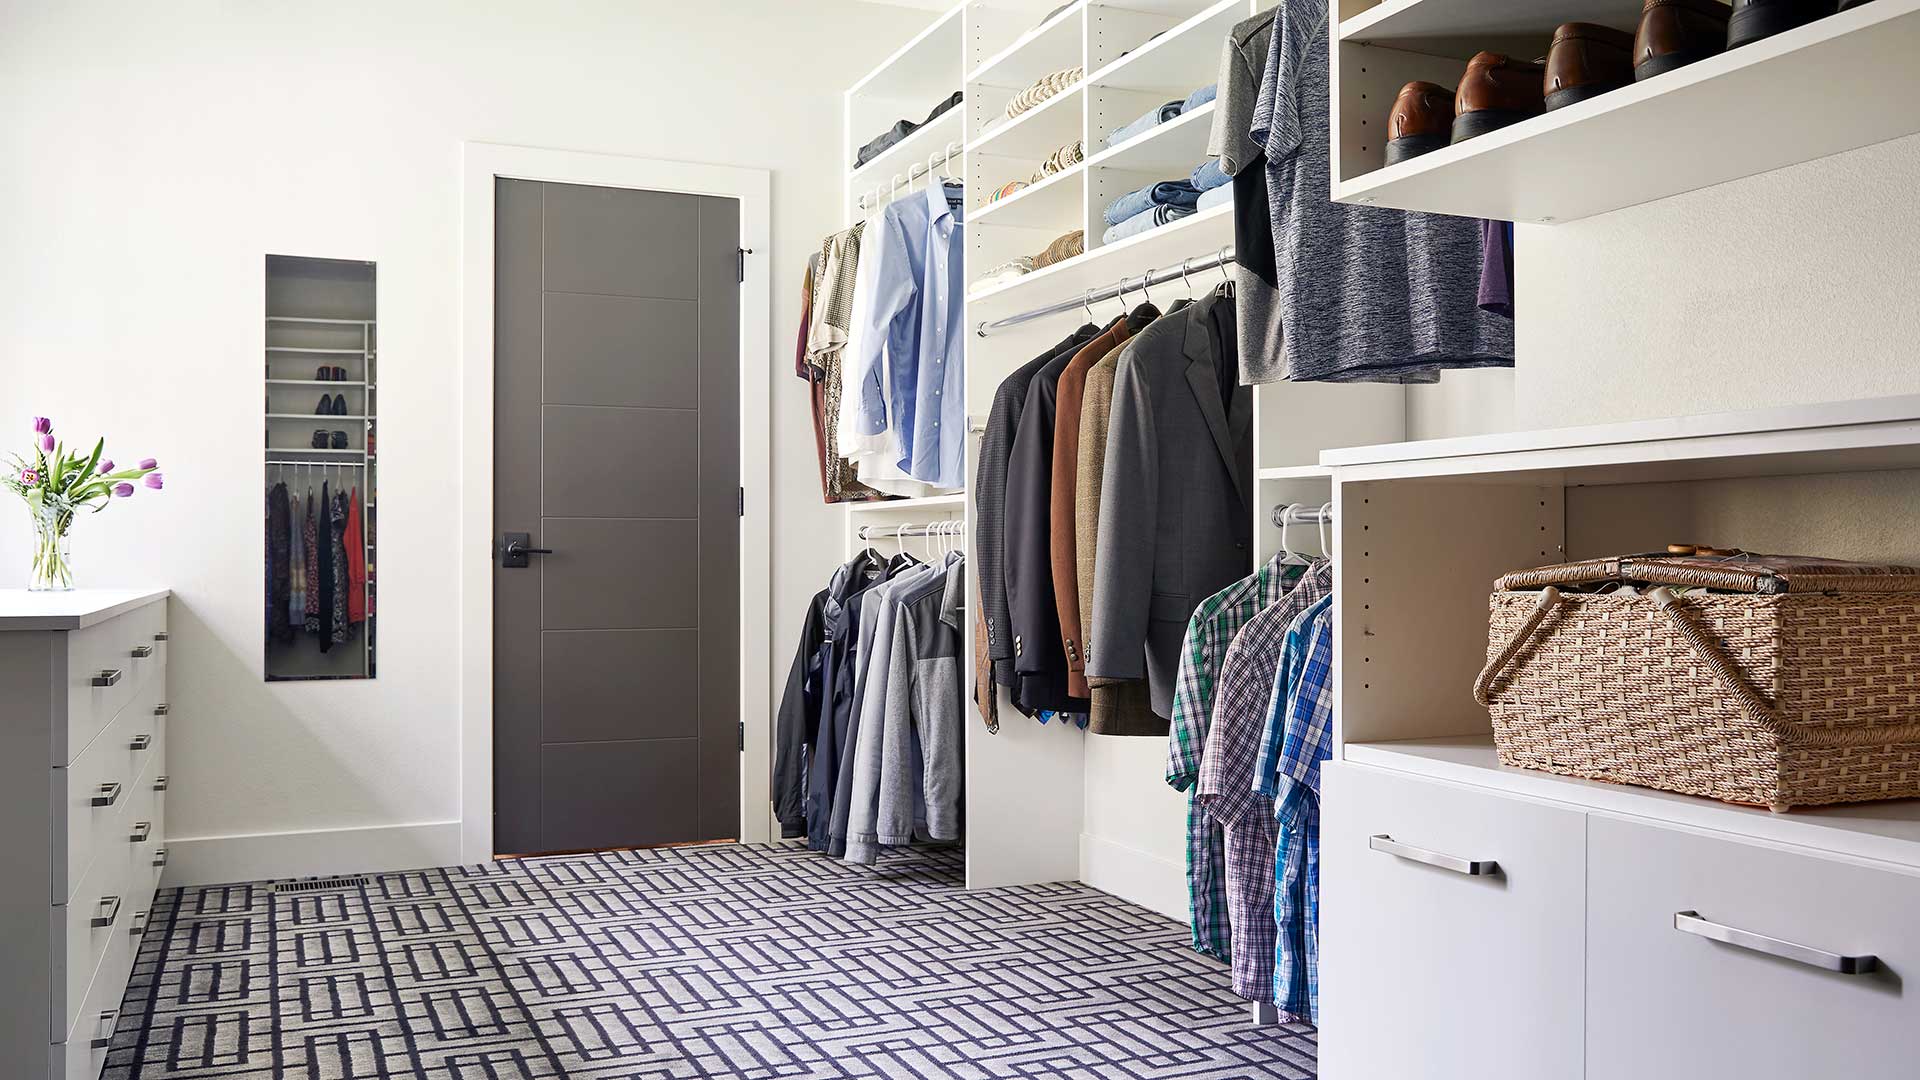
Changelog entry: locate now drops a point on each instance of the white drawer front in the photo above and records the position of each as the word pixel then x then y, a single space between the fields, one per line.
pixel 76 1056
pixel 102 894
pixel 82 829
pixel 143 840
pixel 1427 970
pixel 1663 1002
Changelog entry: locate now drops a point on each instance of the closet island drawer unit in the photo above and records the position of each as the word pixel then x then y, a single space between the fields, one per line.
pixel 1445 912
pixel 83 709
pixel 1715 958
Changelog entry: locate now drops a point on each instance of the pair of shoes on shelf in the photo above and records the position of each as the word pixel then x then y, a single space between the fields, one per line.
pixel 1584 61
pixel 330 374
pixel 331 406
pixel 323 441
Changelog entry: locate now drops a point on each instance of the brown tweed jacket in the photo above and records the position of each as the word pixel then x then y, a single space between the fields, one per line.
pixel 1121 708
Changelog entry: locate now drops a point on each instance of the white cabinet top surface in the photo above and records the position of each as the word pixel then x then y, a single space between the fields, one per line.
pixel 24 610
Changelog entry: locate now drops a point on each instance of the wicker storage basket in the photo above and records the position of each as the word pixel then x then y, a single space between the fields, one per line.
pixel 1802 690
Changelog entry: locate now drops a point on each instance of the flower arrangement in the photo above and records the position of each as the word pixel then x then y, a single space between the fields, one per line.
pixel 56 484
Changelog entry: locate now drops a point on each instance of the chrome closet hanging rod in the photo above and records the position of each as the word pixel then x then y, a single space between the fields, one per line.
pixel 950 528
pixel 1120 288
pixel 914 172
pixel 1298 514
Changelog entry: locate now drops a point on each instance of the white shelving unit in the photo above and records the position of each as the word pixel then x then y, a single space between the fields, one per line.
pixel 1737 114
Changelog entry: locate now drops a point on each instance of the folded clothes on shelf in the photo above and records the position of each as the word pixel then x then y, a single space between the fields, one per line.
pixel 1045 87
pixel 901 129
pixel 1061 160
pixel 1063 248
pixel 1006 190
pixel 1005 272
pixel 1150 218
pixel 1200 97
pixel 1145 122
pixel 1209 175
pixel 1178 193
pixel 1213 197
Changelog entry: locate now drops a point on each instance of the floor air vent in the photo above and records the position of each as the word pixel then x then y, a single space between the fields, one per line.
pixel 321 884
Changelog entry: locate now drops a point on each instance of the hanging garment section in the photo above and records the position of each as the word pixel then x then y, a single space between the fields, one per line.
pixel 880 346
pixel 868 750
pixel 317 567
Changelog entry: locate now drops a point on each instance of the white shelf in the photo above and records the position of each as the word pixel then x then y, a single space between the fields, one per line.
pixel 1170 151
pixel 1179 61
pixel 927 66
pixel 312 416
pixel 953 501
pixel 1885 831
pixel 1294 472
pixel 1160 248
pixel 902 156
pixel 1052 46
pixel 1840 436
pixel 1412 20
pixel 1052 203
pixel 315 382
pixel 1741 113
pixel 312 450
pixel 1038 132
pixel 301 319
pixel 322 352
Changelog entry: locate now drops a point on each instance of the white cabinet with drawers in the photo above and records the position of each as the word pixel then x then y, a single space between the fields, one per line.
pixel 83 779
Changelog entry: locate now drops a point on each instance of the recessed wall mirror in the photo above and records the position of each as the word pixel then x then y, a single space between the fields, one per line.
pixel 321 368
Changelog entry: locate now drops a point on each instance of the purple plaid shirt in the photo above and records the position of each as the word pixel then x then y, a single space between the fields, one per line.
pixel 1226 790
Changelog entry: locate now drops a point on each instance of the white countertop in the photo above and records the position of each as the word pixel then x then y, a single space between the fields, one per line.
pixel 24 610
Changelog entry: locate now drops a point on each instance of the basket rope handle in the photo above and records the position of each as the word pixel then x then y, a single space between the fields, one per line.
pixel 1752 704
pixel 1482 686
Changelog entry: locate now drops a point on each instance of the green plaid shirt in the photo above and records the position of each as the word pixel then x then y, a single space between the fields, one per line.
pixel 1218 618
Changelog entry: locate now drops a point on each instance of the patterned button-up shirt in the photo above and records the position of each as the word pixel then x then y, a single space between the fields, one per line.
pixel 1211 629
pixel 1298 738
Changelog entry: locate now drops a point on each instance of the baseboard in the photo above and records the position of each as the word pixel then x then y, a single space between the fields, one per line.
pixel 1155 883
pixel 218 860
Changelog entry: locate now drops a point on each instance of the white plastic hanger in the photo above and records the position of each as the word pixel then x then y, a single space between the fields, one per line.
pixel 1288 556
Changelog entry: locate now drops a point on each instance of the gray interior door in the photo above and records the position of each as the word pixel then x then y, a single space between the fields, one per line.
pixel 616 449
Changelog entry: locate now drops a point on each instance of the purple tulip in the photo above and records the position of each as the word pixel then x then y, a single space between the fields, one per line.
pixel 46 443
pixel 42 425
pixel 155 481
pixel 106 467
pixel 123 489
pixel 149 463
pixel 29 477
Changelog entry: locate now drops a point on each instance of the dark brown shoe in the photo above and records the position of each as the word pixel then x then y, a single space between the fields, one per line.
pixel 1496 91
pixel 1421 121
pixel 1586 60
pixel 1756 19
pixel 1675 33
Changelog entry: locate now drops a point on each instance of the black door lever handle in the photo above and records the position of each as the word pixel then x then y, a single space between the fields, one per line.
pixel 517 546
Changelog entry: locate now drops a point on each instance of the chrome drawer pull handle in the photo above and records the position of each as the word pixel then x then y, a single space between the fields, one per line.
pixel 141 831
pixel 107 677
pixel 1690 922
pixel 160 857
pixel 107 795
pixel 161 636
pixel 101 1042
pixel 141 652
pixel 162 709
pixel 160 783
pixel 1469 867
pixel 140 742
pixel 108 914
pixel 138 924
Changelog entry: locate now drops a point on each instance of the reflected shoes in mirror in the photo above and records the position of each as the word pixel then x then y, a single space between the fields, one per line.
pixel 319 440
pixel 1756 19
pixel 1496 91
pixel 1675 33
pixel 339 374
pixel 1586 60
pixel 339 440
pixel 339 404
pixel 1421 121
pixel 323 374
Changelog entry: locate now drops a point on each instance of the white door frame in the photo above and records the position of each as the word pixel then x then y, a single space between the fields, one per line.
pixel 483 162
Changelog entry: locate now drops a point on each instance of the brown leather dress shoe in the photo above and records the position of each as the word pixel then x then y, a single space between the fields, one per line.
pixel 1420 122
pixel 1586 60
pixel 1756 19
pixel 1496 91
pixel 1675 33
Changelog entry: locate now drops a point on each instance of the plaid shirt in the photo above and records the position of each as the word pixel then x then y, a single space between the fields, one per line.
pixel 1298 738
pixel 1211 629
pixel 1226 791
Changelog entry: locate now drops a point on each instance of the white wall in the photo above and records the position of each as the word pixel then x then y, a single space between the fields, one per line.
pixel 151 155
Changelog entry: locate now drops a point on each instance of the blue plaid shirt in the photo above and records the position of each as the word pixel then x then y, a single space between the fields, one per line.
pixel 1298 737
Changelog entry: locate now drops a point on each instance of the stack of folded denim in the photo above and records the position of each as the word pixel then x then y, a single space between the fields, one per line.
pixel 1160 114
pixel 1156 204
pixel 1214 184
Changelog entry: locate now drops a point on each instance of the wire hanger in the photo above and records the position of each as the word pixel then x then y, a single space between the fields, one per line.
pixel 1184 279
pixel 1143 286
pixel 1289 557
pixel 1226 279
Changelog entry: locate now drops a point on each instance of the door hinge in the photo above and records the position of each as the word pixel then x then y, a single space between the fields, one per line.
pixel 740 255
pixel 743 736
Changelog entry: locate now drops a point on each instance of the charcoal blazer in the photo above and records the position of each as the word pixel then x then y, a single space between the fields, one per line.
pixel 1176 520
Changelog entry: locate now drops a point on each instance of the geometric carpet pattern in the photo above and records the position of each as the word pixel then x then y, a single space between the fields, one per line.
pixel 756 961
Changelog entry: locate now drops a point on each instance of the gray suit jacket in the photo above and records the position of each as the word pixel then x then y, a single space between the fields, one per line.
pixel 1176 520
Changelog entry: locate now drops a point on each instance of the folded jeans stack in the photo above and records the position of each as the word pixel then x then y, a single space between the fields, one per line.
pixel 1209 175
pixel 1160 114
pixel 1144 220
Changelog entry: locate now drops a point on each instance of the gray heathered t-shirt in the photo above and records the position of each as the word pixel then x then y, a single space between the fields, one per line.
pixel 1365 293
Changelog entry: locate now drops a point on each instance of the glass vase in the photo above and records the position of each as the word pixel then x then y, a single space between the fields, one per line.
pixel 52 552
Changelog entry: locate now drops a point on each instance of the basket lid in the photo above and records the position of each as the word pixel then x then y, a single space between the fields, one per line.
pixel 1737 571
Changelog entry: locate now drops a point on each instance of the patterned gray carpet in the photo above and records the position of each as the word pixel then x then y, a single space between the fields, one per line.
pixel 750 961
